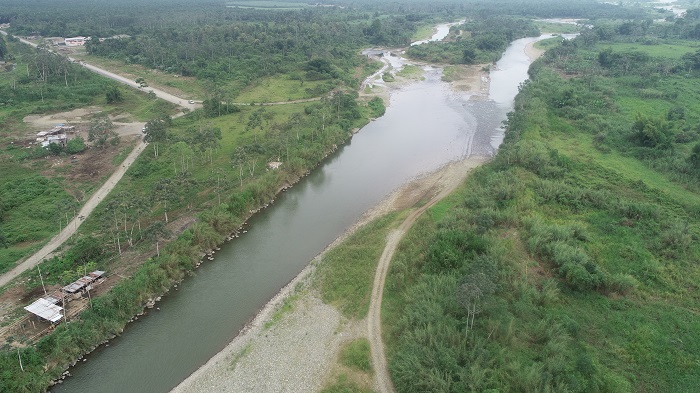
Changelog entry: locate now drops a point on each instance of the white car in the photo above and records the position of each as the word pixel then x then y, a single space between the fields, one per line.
pixel 191 101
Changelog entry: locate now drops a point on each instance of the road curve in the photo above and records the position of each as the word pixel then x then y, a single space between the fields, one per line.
pixel 450 180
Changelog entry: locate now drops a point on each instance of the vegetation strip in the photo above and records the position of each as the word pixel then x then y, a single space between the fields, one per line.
pixel 566 264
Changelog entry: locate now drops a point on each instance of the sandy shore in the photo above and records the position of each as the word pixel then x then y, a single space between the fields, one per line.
pixel 533 52
pixel 297 352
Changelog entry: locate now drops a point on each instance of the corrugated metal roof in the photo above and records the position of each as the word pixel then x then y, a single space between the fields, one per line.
pixel 78 284
pixel 55 297
pixel 45 309
pixel 83 282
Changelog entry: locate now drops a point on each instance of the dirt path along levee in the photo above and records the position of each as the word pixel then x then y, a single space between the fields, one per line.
pixel 451 178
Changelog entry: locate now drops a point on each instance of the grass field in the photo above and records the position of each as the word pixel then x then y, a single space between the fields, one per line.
pixel 265 5
pixel 661 48
pixel 280 89
pixel 423 33
pixel 557 28
pixel 346 272
pixel 181 86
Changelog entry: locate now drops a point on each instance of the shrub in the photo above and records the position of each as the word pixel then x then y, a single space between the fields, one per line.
pixel 377 107
pixel 75 145
pixel 622 283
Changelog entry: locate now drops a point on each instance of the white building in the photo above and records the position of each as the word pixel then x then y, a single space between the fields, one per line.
pixel 75 41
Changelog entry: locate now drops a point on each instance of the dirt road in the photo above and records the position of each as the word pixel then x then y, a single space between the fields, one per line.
pixel 69 230
pixel 159 93
pixel 450 179
pixel 101 193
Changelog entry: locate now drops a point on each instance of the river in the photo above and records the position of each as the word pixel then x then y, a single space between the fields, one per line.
pixel 667 5
pixel 426 125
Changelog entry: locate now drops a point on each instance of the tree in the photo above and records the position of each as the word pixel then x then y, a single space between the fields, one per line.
pixel 114 95
pixel 207 139
pixel 101 129
pixel 239 159
pixel 217 179
pixel 471 293
pixel 156 131
pixel 652 132
pixel 3 49
pixel 55 148
pixel 185 184
pixel 469 54
pixel 157 230
pixel 164 191
pixel 183 151
pixel 257 120
pixel 694 158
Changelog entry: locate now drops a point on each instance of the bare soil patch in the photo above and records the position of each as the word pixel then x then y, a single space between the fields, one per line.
pixel 473 80
pixel 43 122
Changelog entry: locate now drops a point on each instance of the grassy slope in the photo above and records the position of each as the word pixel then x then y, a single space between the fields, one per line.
pixel 538 331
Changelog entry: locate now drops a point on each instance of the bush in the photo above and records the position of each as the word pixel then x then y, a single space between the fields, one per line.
pixel 55 148
pixel 377 107
pixel 622 283
pixel 75 145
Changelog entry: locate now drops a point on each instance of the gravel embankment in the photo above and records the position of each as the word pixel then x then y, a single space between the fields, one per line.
pixel 293 355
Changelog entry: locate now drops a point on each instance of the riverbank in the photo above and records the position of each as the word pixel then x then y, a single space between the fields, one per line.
pixel 532 51
pixel 296 353
pixel 293 342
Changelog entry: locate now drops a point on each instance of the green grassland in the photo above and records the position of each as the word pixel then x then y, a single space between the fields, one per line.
pixel 411 72
pixel 281 88
pixel 423 33
pixel 348 286
pixel 264 5
pixel 548 43
pixel 576 247
pixel 672 49
pixel 557 28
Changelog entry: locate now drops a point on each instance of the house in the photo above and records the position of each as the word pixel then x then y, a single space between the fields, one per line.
pixel 82 284
pixel 76 41
pixel 60 139
pixel 45 309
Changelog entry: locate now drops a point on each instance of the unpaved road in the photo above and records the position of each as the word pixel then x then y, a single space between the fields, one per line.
pixel 101 193
pixel 69 230
pixel 450 179
pixel 159 93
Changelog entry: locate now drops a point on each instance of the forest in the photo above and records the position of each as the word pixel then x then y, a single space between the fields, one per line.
pixel 499 290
